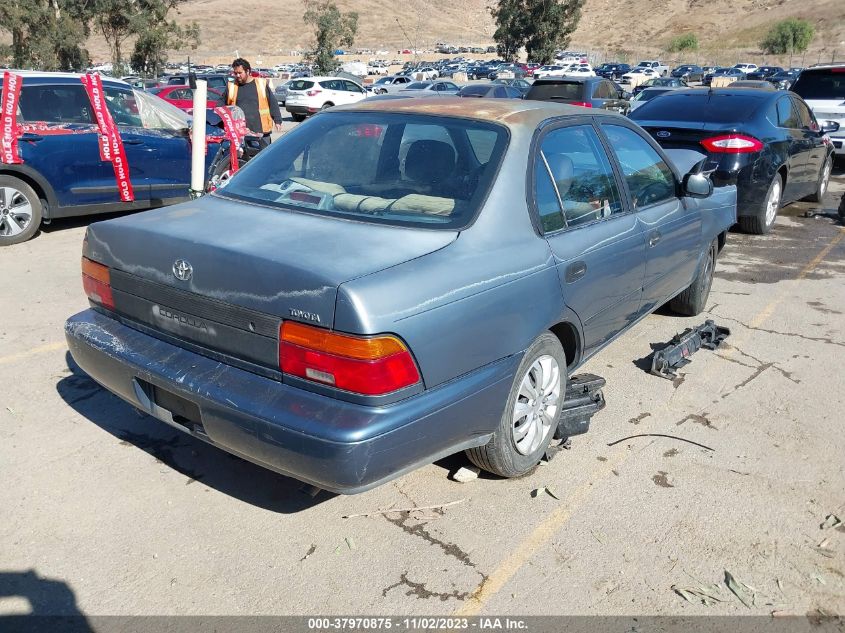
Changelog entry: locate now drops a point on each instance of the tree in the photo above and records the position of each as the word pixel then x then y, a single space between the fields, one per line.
pixel 685 42
pixel 333 30
pixel 509 36
pixel 46 34
pixel 541 26
pixel 150 53
pixel 792 35
pixel 146 20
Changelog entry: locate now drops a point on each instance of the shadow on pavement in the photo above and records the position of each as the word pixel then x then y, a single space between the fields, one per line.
pixel 193 458
pixel 52 604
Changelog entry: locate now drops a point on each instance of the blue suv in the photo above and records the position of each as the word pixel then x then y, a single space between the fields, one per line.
pixel 62 174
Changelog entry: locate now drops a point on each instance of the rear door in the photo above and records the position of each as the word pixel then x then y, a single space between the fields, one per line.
pixel 797 150
pixel 352 92
pixel 597 243
pixel 159 159
pixel 672 231
pixel 816 148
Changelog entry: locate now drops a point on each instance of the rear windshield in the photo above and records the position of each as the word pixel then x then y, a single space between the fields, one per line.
pixel 648 95
pixel 706 107
pixel 418 85
pixel 822 83
pixel 552 91
pixel 378 167
pixel 301 84
pixel 474 91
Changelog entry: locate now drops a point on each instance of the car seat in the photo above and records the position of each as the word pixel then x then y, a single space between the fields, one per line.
pixel 430 163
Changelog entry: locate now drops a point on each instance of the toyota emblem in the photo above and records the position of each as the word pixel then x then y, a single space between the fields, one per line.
pixel 182 270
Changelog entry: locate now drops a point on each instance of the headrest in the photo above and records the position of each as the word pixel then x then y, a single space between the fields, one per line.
pixel 429 162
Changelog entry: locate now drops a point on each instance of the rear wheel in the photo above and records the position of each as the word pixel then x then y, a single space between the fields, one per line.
pixel 326 106
pixel 693 299
pixel 531 414
pixel 764 219
pixel 823 181
pixel 298 118
pixel 20 211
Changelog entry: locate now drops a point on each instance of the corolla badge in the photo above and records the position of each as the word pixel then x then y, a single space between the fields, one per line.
pixel 182 270
pixel 663 134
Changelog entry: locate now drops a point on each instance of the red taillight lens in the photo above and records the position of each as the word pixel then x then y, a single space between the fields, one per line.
pixel 313 93
pixel 96 281
pixel 583 104
pixel 732 144
pixel 366 365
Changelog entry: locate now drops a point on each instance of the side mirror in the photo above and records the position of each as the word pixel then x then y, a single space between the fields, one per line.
pixel 697 185
pixel 828 127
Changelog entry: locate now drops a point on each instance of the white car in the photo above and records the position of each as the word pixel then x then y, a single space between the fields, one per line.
pixel 376 69
pixel 579 70
pixel 312 94
pixel 639 73
pixel 552 70
pixel 389 85
pixel 746 68
pixel 823 88
pixel 428 73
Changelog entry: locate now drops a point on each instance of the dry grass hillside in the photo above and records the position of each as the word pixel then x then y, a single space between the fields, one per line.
pixel 727 29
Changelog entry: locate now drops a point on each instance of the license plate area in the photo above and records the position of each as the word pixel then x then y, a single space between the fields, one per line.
pixel 184 411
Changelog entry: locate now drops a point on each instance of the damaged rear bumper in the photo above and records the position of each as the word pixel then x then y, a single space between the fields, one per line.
pixel 339 446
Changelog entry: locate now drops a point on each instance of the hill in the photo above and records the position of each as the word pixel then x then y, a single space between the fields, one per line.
pixel 268 30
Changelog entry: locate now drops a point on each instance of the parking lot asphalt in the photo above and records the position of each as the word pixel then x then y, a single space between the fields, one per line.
pixel 733 466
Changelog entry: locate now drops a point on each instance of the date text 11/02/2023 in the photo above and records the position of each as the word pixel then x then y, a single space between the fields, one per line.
pixel 415 623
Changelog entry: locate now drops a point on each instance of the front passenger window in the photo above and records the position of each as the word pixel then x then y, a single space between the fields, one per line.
pixel 648 176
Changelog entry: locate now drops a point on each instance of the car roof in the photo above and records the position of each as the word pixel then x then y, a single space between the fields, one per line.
pixel 510 112
pixel 61 77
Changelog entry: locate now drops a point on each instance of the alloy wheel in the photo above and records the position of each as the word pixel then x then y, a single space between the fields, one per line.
pixel 536 405
pixel 773 202
pixel 15 212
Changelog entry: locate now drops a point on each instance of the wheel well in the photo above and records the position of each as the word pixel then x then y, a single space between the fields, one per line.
pixel 36 187
pixel 568 337
pixel 783 171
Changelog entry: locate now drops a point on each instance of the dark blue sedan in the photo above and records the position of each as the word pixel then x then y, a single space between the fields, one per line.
pixel 767 142
pixel 63 174
pixel 409 278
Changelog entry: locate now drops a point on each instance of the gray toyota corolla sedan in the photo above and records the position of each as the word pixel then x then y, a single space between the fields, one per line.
pixel 396 281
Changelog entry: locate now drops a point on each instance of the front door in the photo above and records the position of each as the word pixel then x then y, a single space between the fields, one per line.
pixel 598 244
pixel 672 231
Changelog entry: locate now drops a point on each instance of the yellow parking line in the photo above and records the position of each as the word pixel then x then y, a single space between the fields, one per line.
pixel 49 347
pixel 546 530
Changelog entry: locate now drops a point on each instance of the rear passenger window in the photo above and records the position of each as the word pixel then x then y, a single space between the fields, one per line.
pixel 55 104
pixel 649 178
pixel 787 115
pixel 577 167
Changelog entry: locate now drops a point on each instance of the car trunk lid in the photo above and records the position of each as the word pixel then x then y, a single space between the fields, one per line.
pixel 243 268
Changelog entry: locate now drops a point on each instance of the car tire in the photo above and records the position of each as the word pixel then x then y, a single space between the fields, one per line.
pixel 523 435
pixel 693 299
pixel 763 221
pixel 823 181
pixel 298 118
pixel 326 106
pixel 20 211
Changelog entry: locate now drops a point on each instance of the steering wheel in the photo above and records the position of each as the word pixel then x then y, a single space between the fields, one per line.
pixel 651 193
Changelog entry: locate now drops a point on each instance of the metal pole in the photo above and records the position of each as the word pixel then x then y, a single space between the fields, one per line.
pixel 198 139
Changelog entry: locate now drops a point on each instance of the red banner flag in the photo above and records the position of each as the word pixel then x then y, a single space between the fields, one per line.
pixel 111 145
pixel 234 133
pixel 9 119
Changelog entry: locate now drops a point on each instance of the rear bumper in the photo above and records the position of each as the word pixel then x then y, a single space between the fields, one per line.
pixel 335 445
pixel 296 109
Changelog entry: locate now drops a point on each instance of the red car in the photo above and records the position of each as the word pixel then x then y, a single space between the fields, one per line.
pixel 183 96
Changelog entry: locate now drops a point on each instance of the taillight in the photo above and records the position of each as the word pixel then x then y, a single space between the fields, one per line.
pixel 732 144
pixel 96 281
pixel 373 365
pixel 583 104
pixel 313 93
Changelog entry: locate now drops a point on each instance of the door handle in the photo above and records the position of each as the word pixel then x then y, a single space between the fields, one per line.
pixel 32 137
pixel 575 271
pixel 654 238
pixel 132 141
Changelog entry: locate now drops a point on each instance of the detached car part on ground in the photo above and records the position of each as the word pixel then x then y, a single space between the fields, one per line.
pixel 410 278
pixel 63 174
pixel 767 142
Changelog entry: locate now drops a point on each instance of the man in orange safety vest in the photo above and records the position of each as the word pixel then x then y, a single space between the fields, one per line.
pixel 254 96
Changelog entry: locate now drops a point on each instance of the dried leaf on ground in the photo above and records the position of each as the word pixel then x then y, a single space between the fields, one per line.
pixel 702 594
pixel 827 552
pixel 350 543
pixel 544 490
pixel 743 592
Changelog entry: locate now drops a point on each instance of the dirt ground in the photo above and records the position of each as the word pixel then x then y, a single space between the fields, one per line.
pixel 107 511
